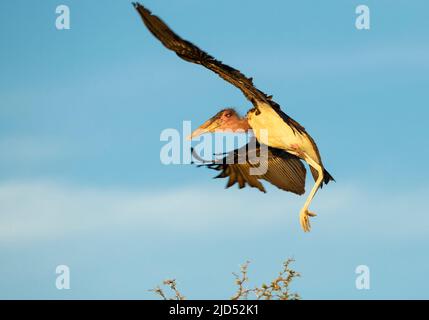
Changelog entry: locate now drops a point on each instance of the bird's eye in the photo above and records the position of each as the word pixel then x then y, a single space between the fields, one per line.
pixel 228 115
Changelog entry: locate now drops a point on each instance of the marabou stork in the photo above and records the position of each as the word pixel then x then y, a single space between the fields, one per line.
pixel 288 142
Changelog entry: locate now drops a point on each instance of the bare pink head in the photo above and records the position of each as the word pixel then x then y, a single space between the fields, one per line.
pixel 224 120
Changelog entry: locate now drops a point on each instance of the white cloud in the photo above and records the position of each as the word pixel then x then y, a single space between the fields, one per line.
pixel 25 148
pixel 41 210
pixel 31 210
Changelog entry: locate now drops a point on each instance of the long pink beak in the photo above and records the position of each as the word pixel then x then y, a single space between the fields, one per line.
pixel 208 126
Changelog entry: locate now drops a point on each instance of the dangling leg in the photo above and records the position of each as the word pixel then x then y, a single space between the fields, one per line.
pixel 304 213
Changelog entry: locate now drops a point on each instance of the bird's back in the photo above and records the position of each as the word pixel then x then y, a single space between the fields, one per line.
pixel 279 131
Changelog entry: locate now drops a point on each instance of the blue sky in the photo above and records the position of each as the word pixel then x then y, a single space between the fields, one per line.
pixel 81 182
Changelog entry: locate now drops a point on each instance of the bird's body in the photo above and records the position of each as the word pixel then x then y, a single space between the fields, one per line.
pixel 280 135
pixel 288 142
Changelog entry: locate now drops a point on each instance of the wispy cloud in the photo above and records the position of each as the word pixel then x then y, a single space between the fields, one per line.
pixel 43 210
pixel 26 148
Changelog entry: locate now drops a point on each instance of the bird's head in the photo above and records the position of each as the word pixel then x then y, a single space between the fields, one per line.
pixel 226 119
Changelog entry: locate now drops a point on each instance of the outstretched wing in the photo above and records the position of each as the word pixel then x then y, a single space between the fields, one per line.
pixel 189 52
pixel 284 170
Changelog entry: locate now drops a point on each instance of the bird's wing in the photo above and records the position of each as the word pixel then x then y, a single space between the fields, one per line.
pixel 189 52
pixel 284 170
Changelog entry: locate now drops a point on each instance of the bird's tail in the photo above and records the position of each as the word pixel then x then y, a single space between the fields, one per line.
pixel 326 176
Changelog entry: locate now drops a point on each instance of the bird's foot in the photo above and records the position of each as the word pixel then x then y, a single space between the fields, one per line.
pixel 304 219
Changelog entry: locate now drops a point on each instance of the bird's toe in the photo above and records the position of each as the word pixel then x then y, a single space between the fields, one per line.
pixel 304 219
pixel 311 214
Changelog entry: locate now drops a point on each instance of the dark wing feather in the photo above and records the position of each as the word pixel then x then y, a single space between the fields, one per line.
pixel 285 170
pixel 189 52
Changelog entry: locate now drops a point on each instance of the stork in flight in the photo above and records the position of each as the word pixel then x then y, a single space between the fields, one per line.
pixel 288 142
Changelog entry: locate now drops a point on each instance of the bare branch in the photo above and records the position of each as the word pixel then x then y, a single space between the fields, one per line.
pixel 277 289
pixel 172 285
